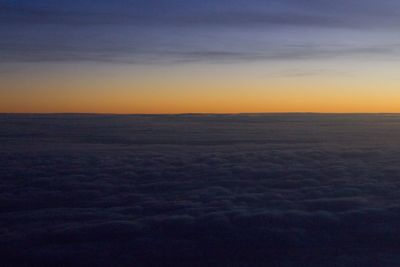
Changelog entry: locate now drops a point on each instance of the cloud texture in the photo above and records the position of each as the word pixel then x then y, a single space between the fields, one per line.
pixel 243 190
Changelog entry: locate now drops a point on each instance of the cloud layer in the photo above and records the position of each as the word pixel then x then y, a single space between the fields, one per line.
pixel 245 190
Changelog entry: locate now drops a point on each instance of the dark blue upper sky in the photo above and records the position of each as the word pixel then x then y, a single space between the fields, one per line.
pixel 176 30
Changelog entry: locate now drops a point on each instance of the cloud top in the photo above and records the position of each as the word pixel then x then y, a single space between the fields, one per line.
pixel 292 190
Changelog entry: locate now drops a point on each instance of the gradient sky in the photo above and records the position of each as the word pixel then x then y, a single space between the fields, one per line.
pixel 178 56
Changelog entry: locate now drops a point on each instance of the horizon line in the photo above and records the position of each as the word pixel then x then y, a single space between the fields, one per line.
pixel 199 113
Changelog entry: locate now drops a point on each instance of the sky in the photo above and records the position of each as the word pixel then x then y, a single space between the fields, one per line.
pixel 184 56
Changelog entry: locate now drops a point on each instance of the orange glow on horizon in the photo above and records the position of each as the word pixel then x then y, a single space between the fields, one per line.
pixel 220 90
pixel 174 103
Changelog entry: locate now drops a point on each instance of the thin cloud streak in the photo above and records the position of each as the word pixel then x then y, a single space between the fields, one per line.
pixel 139 32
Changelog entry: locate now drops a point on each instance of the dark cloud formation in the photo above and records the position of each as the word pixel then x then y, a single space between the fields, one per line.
pixel 138 32
pixel 36 15
pixel 59 53
pixel 221 12
pixel 199 190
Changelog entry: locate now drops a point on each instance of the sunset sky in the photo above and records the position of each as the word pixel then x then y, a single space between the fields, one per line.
pixel 189 56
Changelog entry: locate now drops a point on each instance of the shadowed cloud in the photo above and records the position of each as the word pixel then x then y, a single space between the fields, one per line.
pixel 212 190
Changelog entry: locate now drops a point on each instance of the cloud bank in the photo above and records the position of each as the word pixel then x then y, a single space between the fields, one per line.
pixel 240 190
